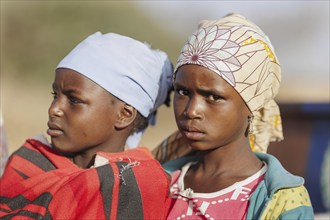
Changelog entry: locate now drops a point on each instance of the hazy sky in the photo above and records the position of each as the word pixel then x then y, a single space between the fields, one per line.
pixel 299 31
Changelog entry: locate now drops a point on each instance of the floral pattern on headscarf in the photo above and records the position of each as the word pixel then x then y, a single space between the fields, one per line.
pixel 239 51
pixel 212 47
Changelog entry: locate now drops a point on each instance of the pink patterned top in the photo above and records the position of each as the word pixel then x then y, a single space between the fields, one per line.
pixel 229 203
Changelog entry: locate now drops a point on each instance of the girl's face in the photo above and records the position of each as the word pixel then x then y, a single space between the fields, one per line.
pixel 208 111
pixel 82 115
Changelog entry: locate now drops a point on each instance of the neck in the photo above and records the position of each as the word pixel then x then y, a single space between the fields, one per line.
pixel 234 159
pixel 86 158
pixel 82 161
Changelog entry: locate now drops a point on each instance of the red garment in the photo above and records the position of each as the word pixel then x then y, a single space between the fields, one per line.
pixel 40 183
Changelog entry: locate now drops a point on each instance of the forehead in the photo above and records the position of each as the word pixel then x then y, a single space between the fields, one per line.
pixel 70 78
pixel 195 75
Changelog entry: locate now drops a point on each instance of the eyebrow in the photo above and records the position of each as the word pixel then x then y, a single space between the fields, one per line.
pixel 67 91
pixel 202 90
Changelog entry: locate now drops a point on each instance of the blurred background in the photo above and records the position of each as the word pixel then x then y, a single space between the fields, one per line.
pixel 36 35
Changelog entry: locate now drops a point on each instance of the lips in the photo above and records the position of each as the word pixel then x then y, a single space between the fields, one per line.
pixel 53 129
pixel 192 133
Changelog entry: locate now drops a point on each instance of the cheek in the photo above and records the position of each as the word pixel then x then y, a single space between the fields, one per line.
pixel 233 121
pixel 104 119
pixel 178 106
pixel 94 120
pixel 222 118
pixel 96 130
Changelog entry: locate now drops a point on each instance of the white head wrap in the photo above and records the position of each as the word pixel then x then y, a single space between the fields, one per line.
pixel 127 68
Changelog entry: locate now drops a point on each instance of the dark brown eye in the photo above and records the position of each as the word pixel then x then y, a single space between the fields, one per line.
pixel 214 98
pixel 182 92
pixel 54 94
pixel 74 100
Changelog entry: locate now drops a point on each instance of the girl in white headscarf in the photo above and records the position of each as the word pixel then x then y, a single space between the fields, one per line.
pixel 105 90
pixel 225 81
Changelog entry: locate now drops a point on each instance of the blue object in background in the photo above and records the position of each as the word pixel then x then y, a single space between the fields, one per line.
pixel 320 141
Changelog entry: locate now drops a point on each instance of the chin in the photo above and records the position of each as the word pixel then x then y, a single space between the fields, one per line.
pixel 201 146
pixel 197 145
pixel 66 151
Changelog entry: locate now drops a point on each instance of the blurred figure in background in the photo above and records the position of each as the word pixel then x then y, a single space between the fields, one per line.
pixel 3 145
pixel 325 179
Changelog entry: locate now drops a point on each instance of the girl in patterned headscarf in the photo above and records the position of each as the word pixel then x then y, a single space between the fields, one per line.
pixel 225 81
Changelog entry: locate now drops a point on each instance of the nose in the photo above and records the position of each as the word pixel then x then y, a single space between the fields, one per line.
pixel 55 108
pixel 193 108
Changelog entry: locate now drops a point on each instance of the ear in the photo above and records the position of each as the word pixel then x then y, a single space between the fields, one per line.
pixel 126 116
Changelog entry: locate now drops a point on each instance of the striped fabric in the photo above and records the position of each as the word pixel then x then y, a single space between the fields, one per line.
pixel 39 183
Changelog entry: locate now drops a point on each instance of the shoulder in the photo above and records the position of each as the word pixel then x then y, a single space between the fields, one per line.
pixel 139 154
pixel 32 147
pixel 293 202
pixel 176 164
pixel 277 176
pixel 288 197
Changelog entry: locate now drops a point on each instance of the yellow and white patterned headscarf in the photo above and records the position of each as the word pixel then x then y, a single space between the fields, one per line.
pixel 239 51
